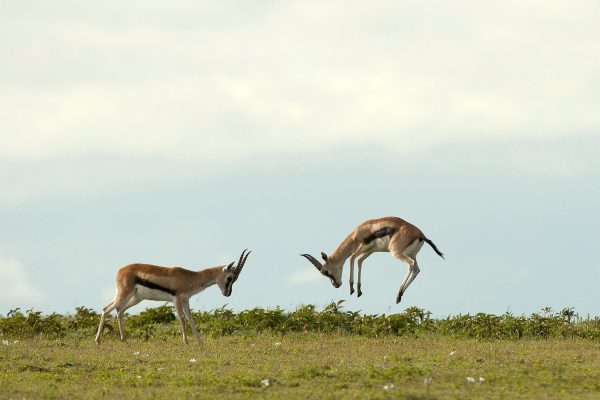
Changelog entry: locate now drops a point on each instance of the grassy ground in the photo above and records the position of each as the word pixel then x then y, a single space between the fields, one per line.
pixel 317 366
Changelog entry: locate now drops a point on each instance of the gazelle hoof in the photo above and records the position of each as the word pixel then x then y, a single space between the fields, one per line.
pixel 359 293
pixel 351 290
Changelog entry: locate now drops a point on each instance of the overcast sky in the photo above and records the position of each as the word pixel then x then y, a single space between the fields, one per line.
pixel 180 133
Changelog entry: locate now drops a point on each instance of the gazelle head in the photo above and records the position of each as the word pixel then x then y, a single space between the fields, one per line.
pixel 230 273
pixel 330 269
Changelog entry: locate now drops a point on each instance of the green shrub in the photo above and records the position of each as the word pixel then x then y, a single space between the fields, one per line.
pixel 158 315
pixel 160 321
pixel 84 319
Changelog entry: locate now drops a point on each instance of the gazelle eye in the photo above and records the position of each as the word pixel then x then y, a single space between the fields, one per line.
pixel 228 279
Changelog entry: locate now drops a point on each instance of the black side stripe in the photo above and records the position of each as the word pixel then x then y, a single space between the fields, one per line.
pixel 378 234
pixel 152 285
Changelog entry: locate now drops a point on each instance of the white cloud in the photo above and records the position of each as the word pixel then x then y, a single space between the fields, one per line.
pixel 293 78
pixel 17 286
pixel 303 277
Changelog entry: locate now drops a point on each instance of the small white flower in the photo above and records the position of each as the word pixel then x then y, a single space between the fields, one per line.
pixel 160 368
pixel 470 379
pixel 5 342
pixel 16 341
pixel 136 353
pixel 427 380
pixel 265 382
pixel 144 355
pixel 452 352
pixel 481 379
pixel 277 344
pixel 192 360
pixel 384 358
pixel 139 376
pixel 388 387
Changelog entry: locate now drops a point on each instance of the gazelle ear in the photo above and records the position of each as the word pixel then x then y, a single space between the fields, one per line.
pixel 324 256
pixel 228 267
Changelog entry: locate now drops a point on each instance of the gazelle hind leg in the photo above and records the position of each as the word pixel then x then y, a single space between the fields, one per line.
pixel 121 308
pixel 121 325
pixel 116 303
pixel 407 278
pixel 411 253
pixel 406 251
pixel 105 311
pixel 415 271
pixel 362 258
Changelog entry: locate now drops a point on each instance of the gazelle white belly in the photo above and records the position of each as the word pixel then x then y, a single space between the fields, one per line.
pixel 143 292
pixel 380 244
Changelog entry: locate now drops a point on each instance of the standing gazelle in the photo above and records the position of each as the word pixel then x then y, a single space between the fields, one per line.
pixel 390 234
pixel 137 282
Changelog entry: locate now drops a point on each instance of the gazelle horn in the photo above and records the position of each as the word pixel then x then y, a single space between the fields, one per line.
pixel 242 261
pixel 313 261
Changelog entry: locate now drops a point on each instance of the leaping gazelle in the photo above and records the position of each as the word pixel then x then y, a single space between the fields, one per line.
pixel 137 282
pixel 389 234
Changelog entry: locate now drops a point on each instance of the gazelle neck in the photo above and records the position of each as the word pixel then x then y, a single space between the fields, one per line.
pixel 207 277
pixel 343 251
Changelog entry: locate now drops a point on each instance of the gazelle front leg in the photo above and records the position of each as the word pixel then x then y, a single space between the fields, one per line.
pixel 358 252
pixel 352 258
pixel 190 318
pixel 181 318
pixel 360 261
